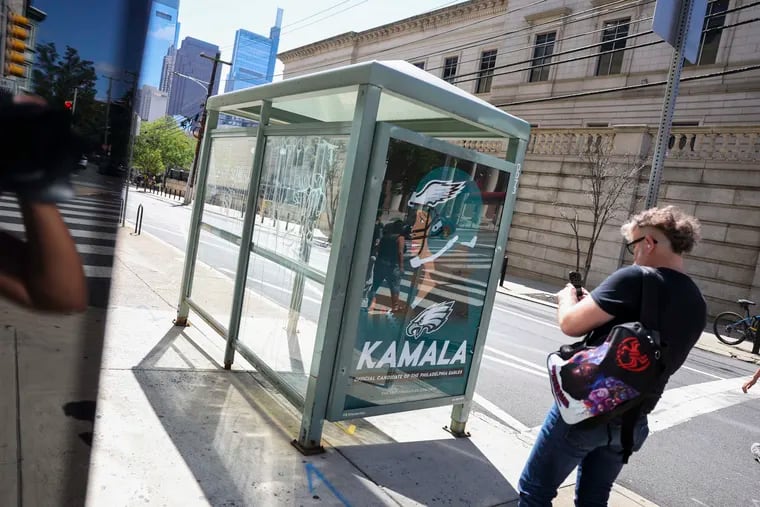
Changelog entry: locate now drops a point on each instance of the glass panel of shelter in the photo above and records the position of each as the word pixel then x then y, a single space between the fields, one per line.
pixel 226 192
pixel 295 216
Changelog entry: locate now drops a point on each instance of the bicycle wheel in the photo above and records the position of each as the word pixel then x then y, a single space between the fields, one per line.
pixel 730 328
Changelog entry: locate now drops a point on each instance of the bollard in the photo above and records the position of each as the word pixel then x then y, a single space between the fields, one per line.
pixel 138 221
pixel 503 271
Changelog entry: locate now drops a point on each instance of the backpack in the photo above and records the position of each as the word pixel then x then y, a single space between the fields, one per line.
pixel 595 384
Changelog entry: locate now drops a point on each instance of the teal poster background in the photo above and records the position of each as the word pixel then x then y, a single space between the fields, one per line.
pixel 426 283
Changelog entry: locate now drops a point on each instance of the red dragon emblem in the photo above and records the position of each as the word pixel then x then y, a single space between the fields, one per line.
pixel 629 357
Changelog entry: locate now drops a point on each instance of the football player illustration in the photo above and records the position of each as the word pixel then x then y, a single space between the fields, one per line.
pixel 436 209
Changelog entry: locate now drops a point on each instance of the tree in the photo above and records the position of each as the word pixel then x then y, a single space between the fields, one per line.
pixel 56 76
pixel 161 145
pixel 607 184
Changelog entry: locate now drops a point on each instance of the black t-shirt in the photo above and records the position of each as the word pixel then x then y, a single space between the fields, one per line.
pixel 682 311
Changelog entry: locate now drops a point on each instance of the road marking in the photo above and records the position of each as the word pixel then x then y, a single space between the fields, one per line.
pixel 702 372
pixel 525 317
pixel 500 414
pixel 682 404
pixel 255 281
pixel 517 366
pixel 538 367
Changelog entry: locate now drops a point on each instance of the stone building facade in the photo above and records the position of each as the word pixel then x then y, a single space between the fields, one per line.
pixel 547 63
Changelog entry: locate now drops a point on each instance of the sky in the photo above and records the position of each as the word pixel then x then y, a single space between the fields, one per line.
pixel 97 28
pixel 218 25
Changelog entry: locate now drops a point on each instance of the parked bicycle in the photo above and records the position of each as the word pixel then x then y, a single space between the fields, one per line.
pixel 732 329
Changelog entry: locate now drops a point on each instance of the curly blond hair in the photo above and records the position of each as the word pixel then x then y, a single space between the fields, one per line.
pixel 681 229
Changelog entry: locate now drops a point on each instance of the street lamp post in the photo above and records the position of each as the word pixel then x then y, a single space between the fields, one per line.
pixel 209 91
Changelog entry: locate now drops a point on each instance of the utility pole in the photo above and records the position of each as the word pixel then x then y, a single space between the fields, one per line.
pixel 679 24
pixel 74 102
pixel 201 131
pixel 108 113
pixel 134 129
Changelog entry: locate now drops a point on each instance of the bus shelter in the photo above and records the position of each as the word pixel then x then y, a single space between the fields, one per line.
pixel 347 237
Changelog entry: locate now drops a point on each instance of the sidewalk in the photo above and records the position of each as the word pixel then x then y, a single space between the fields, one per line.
pixel 174 428
pixel 543 293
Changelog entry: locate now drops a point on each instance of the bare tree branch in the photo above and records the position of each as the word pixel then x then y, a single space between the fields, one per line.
pixel 608 184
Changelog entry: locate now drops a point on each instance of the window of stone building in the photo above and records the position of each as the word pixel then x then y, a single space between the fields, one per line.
pixel 485 74
pixel 542 56
pixel 450 68
pixel 712 28
pixel 612 48
pixel 421 65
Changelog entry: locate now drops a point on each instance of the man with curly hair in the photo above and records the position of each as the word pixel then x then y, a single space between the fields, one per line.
pixel 658 238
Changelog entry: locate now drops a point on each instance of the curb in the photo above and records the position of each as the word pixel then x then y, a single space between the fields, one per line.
pixel 502 290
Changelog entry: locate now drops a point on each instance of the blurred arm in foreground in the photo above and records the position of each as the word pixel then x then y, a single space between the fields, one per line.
pixel 44 272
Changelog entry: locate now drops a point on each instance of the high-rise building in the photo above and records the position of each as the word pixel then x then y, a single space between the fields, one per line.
pixel 167 71
pixel 191 71
pixel 254 57
pixel 163 31
pixel 153 103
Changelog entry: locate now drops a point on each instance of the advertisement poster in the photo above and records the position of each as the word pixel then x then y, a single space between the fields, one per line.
pixel 431 256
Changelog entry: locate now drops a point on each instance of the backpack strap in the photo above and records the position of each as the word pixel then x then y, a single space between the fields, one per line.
pixel 649 317
pixel 649 314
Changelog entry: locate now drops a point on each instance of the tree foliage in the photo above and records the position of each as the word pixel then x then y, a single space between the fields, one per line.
pixel 608 184
pixel 162 145
pixel 55 76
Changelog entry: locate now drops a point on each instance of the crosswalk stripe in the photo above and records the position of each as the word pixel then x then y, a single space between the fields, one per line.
pixel 83 248
pixel 76 233
pixel 97 271
pixel 68 220
pixel 92 224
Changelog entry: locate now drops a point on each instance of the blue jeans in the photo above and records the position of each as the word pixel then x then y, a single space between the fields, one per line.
pixel 559 448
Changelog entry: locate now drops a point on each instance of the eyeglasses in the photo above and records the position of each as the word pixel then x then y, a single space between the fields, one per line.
pixel 629 246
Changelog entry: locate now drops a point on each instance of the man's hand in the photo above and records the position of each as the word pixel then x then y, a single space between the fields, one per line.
pixel 577 317
pixel 751 381
pixel 569 295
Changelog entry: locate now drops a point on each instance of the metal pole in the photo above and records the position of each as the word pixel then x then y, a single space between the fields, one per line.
pixel 108 114
pixel 202 129
pixel 193 235
pixel 668 106
pixel 244 256
pixel 74 102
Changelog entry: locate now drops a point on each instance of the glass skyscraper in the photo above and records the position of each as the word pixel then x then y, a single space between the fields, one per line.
pixel 253 57
pixel 163 31
pixel 188 96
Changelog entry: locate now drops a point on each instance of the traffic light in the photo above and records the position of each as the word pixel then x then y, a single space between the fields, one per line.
pixel 68 105
pixel 16 35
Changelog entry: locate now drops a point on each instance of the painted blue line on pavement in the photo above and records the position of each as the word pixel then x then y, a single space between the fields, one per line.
pixel 311 469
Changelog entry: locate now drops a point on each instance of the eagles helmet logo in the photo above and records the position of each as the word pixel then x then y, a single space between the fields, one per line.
pixel 430 320
pixel 436 192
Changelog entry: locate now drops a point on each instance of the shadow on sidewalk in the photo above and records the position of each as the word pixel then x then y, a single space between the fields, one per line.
pixel 234 436
pixel 451 471
pixel 233 432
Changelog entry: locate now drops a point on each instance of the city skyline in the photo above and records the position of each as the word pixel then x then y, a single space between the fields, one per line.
pixel 322 19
